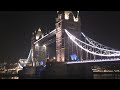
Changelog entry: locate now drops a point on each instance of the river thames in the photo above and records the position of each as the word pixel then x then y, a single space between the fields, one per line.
pixel 95 76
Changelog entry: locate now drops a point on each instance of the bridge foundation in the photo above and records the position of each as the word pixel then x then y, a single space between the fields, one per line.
pixel 67 71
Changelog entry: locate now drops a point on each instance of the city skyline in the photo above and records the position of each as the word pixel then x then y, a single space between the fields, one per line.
pixel 16 29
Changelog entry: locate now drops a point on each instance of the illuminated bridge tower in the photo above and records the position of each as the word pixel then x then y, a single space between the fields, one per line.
pixel 38 50
pixel 66 20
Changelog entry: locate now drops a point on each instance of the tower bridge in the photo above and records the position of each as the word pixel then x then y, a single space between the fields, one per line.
pixel 67 44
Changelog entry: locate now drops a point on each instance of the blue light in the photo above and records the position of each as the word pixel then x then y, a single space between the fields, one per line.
pixel 73 57
pixel 41 62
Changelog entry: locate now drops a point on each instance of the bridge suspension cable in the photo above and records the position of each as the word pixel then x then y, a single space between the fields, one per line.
pixel 29 55
pixel 92 49
pixel 25 61
pixel 97 44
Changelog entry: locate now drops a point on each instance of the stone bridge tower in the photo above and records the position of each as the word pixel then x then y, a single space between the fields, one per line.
pixel 65 20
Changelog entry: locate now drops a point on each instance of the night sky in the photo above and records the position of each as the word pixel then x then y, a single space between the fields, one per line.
pixel 16 29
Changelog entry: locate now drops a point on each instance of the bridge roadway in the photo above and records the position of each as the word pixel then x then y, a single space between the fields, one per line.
pixel 95 61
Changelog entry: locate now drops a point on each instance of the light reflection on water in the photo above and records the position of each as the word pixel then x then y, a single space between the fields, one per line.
pixel 106 76
pixel 10 77
pixel 95 76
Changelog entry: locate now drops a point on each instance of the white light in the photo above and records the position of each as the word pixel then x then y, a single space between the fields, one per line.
pixel 44 46
pixel 66 15
pixel 37 37
pixel 52 32
pixel 39 29
pixel 90 61
pixel 54 58
pixel 38 34
pixel 36 45
pixel 30 53
pixel 99 44
pixel 75 19
pixel 20 66
pixel 73 39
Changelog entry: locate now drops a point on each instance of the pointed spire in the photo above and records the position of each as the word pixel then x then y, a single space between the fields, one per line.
pixel 39 29
pixel 57 11
pixel 35 31
pixel 32 33
pixel 77 14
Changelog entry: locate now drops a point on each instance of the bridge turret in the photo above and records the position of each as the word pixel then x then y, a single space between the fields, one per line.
pixel 37 47
pixel 39 34
pixel 68 15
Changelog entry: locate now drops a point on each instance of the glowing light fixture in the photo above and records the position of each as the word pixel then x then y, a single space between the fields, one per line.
pixel 36 45
pixel 54 58
pixel 76 40
pixel 44 46
pixel 66 15
pixel 75 19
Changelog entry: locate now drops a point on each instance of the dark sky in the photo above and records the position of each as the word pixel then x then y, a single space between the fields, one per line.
pixel 16 29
